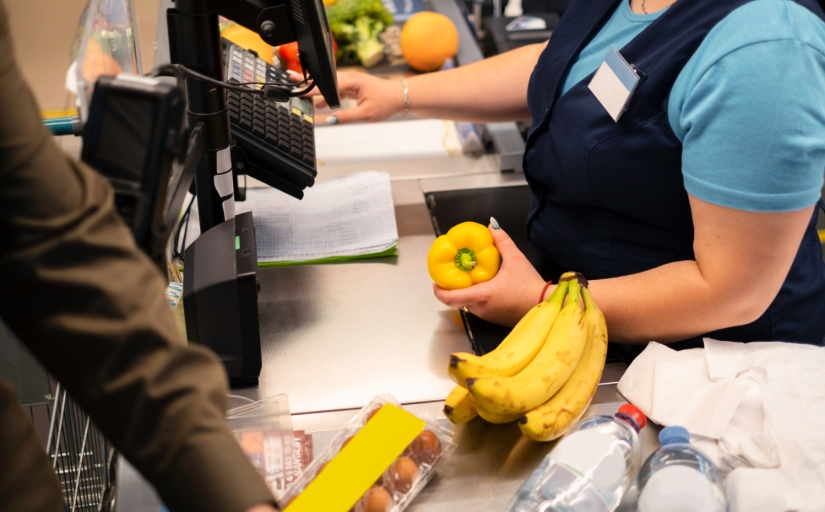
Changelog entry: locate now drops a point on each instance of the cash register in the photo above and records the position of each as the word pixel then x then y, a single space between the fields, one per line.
pixel 262 128
pixel 241 117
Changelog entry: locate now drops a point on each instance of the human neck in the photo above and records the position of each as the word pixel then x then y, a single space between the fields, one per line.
pixel 651 6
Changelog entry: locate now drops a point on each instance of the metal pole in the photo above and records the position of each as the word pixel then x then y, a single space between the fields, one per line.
pixel 195 42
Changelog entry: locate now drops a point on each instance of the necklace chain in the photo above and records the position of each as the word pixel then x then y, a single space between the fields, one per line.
pixel 644 11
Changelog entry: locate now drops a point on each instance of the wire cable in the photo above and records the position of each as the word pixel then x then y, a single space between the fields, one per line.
pixel 184 225
pixel 266 89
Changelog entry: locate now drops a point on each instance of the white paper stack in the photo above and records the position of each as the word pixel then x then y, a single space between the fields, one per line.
pixel 347 218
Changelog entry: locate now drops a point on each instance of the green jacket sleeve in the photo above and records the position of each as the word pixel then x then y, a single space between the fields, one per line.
pixel 77 291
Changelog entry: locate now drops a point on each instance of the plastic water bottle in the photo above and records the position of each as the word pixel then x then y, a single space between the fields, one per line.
pixel 679 478
pixel 589 470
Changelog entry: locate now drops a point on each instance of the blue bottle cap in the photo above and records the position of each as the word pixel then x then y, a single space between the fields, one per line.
pixel 674 434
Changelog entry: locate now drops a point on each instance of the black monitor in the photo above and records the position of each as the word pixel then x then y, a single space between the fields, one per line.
pixel 284 21
pixel 130 137
pixel 315 45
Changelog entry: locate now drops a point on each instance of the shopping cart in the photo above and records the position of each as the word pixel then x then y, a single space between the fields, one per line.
pixel 83 459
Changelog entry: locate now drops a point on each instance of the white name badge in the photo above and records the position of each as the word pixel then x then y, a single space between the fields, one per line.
pixel 614 83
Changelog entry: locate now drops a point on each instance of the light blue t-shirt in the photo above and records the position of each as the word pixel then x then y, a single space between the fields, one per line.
pixel 748 107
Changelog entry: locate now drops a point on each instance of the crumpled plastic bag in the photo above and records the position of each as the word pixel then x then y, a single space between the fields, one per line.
pixel 756 409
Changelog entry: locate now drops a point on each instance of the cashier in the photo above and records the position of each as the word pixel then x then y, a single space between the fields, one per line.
pixel 694 214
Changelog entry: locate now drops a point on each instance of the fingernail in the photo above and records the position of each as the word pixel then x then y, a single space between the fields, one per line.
pixel 293 73
pixel 494 223
pixel 332 120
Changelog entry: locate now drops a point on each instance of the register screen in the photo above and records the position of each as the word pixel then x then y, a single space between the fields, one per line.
pixel 125 134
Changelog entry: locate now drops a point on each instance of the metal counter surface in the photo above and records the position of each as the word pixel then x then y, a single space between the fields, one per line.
pixel 333 336
pixel 490 462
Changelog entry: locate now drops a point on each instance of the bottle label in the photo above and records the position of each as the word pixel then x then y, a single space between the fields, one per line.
pixel 679 488
pixel 595 455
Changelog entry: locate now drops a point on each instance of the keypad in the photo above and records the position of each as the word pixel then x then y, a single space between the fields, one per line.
pixel 287 126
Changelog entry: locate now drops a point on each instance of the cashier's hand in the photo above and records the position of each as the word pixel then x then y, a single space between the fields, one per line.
pixel 378 98
pixel 509 295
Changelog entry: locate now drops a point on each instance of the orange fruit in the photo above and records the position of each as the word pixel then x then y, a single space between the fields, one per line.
pixel 427 40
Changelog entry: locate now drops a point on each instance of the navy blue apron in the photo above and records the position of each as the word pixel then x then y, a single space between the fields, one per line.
pixel 609 198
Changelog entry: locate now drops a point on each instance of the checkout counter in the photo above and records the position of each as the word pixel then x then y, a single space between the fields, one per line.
pixel 333 336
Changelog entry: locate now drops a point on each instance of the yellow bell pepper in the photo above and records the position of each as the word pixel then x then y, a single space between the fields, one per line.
pixel 465 256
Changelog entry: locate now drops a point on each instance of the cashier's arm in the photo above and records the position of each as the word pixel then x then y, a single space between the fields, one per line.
pixel 742 259
pixel 490 90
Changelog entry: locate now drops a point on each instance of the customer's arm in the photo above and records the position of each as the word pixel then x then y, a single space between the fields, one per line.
pixel 490 90
pixel 91 307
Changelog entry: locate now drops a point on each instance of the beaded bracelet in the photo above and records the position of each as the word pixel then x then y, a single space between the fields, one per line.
pixel 406 98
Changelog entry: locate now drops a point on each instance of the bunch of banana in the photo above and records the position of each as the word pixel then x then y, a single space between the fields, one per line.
pixel 512 355
pixel 544 373
pixel 518 349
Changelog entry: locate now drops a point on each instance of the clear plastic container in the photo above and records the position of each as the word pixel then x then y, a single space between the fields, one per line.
pixel 394 491
pixel 264 431
pixel 679 478
pixel 107 45
pixel 589 470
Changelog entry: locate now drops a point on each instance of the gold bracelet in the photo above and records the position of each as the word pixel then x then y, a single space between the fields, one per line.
pixel 406 98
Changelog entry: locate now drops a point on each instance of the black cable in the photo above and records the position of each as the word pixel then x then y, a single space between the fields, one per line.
pixel 179 69
pixel 309 88
pixel 183 224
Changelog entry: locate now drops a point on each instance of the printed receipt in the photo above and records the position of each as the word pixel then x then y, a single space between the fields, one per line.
pixel 348 217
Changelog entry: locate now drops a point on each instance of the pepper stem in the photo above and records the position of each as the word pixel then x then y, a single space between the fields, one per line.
pixel 465 259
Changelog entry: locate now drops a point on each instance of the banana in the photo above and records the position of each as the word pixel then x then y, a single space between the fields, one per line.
pixel 518 348
pixel 554 418
pixel 545 374
pixel 459 406
pixel 498 419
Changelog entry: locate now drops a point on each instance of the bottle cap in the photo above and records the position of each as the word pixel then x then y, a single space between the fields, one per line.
pixel 674 434
pixel 634 413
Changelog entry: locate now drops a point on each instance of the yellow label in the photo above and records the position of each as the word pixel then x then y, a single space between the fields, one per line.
pixel 822 236
pixel 296 111
pixel 308 119
pixel 50 114
pixel 358 465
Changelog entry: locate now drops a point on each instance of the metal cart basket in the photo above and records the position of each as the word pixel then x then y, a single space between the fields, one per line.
pixel 83 459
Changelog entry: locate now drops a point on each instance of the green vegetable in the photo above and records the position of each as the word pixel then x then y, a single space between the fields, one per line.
pixel 356 26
